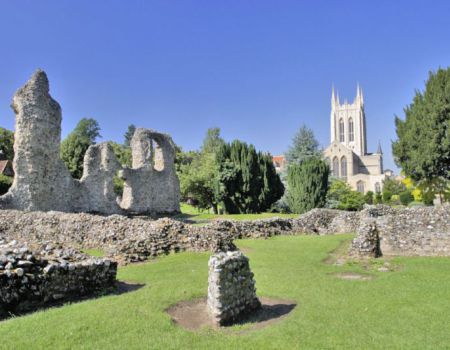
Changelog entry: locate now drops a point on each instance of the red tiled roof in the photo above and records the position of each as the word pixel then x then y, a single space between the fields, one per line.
pixel 4 164
pixel 279 161
pixel 278 158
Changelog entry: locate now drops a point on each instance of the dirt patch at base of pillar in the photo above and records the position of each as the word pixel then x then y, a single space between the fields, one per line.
pixel 194 315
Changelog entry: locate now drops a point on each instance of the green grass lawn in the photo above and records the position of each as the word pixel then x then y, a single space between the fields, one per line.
pixel 405 309
pixel 192 214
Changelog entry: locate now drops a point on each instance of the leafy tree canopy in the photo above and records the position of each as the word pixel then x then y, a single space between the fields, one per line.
pixel 393 186
pixel 197 180
pixel 212 141
pixel 341 193
pixel 7 143
pixel 423 145
pixel 75 145
pixel 122 152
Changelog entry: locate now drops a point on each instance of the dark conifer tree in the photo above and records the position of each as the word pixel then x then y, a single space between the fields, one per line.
pixel 308 185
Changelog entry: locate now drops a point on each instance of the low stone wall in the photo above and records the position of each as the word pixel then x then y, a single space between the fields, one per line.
pixel 32 279
pixel 416 231
pixel 123 239
pixel 316 221
pixel 420 231
pixel 231 287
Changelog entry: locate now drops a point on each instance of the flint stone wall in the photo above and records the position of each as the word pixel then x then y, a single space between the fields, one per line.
pixel 316 221
pixel 30 279
pixel 43 183
pixel 367 240
pixel 416 231
pixel 420 231
pixel 231 287
pixel 123 239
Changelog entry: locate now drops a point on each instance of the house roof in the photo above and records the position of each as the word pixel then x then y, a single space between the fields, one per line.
pixel 278 159
pixel 3 165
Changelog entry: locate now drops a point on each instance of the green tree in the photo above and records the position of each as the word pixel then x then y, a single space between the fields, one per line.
pixel 197 171
pixel 393 186
pixel 7 143
pixel 122 152
pixel 304 145
pixel 307 184
pixel 246 180
pixel 387 195
pixel 378 198
pixel 5 183
pixel 423 145
pixel 197 180
pixel 129 135
pixel 75 145
pixel 368 197
pixel 212 141
pixel 406 197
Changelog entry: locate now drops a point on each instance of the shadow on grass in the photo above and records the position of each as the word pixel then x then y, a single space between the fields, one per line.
pixel 120 287
pixel 127 287
pixel 270 311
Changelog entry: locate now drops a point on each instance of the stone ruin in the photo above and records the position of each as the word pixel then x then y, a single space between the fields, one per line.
pixel 404 232
pixel 32 278
pixel 43 183
pixel 231 287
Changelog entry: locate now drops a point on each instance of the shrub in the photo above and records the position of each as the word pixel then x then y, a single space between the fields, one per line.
pixel 395 199
pixel 387 195
pixel 368 197
pixel 341 196
pixel 378 198
pixel 428 197
pixel 406 197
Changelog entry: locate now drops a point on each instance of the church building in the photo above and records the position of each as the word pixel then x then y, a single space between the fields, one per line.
pixel 347 153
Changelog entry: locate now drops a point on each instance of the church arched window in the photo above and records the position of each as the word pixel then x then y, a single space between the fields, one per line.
pixel 341 130
pixel 360 186
pixel 343 167
pixel 351 133
pixel 336 166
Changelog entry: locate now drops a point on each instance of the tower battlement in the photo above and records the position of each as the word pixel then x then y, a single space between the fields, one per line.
pixel 348 122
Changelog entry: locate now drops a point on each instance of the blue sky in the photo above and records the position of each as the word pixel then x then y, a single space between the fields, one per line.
pixel 256 69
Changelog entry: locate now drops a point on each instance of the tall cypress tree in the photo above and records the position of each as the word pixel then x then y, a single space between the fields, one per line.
pixel 247 180
pixel 307 184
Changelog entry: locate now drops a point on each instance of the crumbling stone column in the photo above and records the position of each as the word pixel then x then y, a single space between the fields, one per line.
pixel 231 287
pixel 367 241
pixel 42 181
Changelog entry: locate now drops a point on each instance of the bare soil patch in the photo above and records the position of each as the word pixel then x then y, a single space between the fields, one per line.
pixel 353 276
pixel 193 314
pixel 245 250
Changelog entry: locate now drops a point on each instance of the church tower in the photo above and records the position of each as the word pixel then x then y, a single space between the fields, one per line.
pixel 348 122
